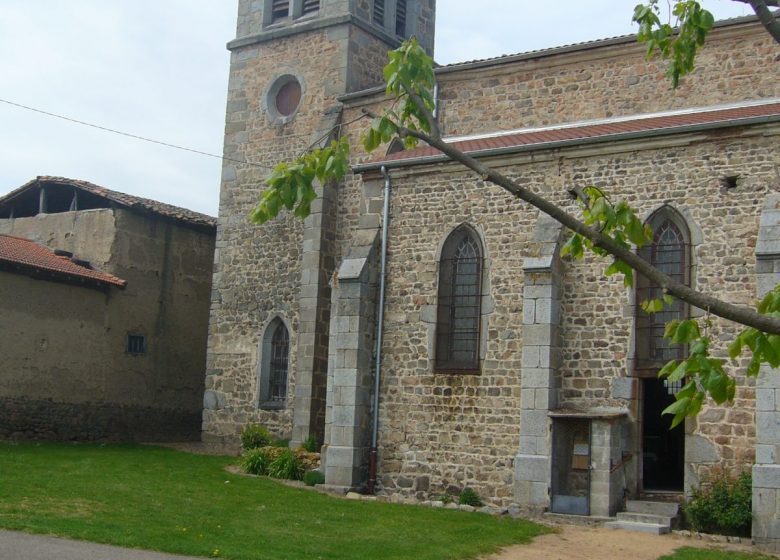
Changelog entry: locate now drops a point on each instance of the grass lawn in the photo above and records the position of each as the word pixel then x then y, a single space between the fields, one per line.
pixel 161 499
pixel 688 553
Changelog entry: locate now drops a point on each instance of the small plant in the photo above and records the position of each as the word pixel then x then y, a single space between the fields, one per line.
pixel 254 436
pixel 312 478
pixel 310 444
pixel 281 442
pixel 256 461
pixel 469 498
pixel 723 504
pixel 445 498
pixel 287 465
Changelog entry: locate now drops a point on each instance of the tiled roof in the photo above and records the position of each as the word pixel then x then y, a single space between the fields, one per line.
pixel 573 47
pixel 28 256
pixel 605 130
pixel 121 199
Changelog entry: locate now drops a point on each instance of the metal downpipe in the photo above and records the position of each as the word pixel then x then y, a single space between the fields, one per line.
pixel 372 453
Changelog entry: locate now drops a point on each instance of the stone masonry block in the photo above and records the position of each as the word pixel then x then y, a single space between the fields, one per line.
pixel 766 399
pixel 529 311
pixel 534 423
pixel 767 427
pixel 536 378
pixel 767 454
pixel 531 356
pixel 537 335
pixel 766 476
pixel 532 468
pixel 624 388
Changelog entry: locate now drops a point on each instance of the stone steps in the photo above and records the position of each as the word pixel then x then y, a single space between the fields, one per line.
pixel 641 527
pixel 657 518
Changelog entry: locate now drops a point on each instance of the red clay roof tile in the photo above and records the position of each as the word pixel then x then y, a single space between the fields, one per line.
pixel 28 255
pixel 641 124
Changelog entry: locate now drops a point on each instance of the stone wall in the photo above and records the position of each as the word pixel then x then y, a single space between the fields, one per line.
pixel 65 365
pixel 599 81
pixel 443 431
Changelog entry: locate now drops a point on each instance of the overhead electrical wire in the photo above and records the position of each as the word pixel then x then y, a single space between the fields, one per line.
pixel 129 135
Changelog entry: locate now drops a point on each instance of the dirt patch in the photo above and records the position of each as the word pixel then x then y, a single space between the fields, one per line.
pixel 598 543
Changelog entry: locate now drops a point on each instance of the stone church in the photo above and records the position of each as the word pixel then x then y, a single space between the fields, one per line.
pixel 484 359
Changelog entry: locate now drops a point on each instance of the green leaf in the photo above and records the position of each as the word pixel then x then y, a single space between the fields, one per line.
pixel 687 331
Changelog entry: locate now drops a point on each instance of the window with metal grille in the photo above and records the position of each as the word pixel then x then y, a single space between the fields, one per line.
pixel 669 252
pixel 280 9
pixel 280 351
pixel 310 6
pixel 459 302
pixel 136 344
pixel 379 12
pixel 400 18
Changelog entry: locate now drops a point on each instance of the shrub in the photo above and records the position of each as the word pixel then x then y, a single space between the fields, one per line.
pixel 286 465
pixel 256 461
pixel 281 442
pixel 469 498
pixel 254 436
pixel 313 477
pixel 445 498
pixel 723 504
pixel 310 444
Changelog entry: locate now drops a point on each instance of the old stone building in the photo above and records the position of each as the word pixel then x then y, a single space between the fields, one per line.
pixel 103 313
pixel 503 367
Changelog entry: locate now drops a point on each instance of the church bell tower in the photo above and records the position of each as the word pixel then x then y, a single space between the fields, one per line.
pixel 270 310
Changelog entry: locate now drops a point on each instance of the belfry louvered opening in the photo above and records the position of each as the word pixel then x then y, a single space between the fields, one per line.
pixel 310 6
pixel 379 12
pixel 670 253
pixel 459 303
pixel 400 18
pixel 280 9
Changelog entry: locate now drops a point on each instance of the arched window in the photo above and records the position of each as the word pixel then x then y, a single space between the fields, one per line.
pixel 274 366
pixel 459 302
pixel 669 252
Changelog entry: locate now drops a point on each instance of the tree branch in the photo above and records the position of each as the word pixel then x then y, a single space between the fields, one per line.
pixel 743 315
pixel 766 17
pixel 432 122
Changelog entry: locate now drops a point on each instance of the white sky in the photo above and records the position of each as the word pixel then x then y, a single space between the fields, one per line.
pixel 158 69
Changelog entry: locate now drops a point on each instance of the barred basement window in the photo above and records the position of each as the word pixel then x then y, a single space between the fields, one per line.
pixel 136 344
pixel 379 12
pixel 459 303
pixel 280 9
pixel 310 6
pixel 670 253
pixel 400 18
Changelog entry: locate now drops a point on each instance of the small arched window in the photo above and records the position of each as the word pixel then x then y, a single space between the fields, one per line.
pixel 274 366
pixel 670 252
pixel 459 302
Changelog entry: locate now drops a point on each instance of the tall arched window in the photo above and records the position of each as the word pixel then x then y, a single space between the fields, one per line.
pixel 274 366
pixel 669 252
pixel 459 302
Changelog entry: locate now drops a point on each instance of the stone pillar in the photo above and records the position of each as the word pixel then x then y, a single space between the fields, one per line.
pixel 766 471
pixel 317 267
pixel 541 361
pixel 350 366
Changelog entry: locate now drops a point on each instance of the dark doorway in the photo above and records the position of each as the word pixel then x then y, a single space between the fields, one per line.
pixel 663 450
pixel 571 466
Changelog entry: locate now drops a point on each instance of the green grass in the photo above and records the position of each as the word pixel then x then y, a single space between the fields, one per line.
pixel 159 499
pixel 688 553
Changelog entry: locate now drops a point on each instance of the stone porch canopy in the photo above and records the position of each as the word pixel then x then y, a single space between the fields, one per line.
pixel 589 132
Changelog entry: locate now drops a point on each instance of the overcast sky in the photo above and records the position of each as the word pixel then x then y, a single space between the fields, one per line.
pixel 158 69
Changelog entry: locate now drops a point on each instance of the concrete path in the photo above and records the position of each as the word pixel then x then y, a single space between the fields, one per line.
pixel 22 546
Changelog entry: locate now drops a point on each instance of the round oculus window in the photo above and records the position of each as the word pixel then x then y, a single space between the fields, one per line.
pixel 288 97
